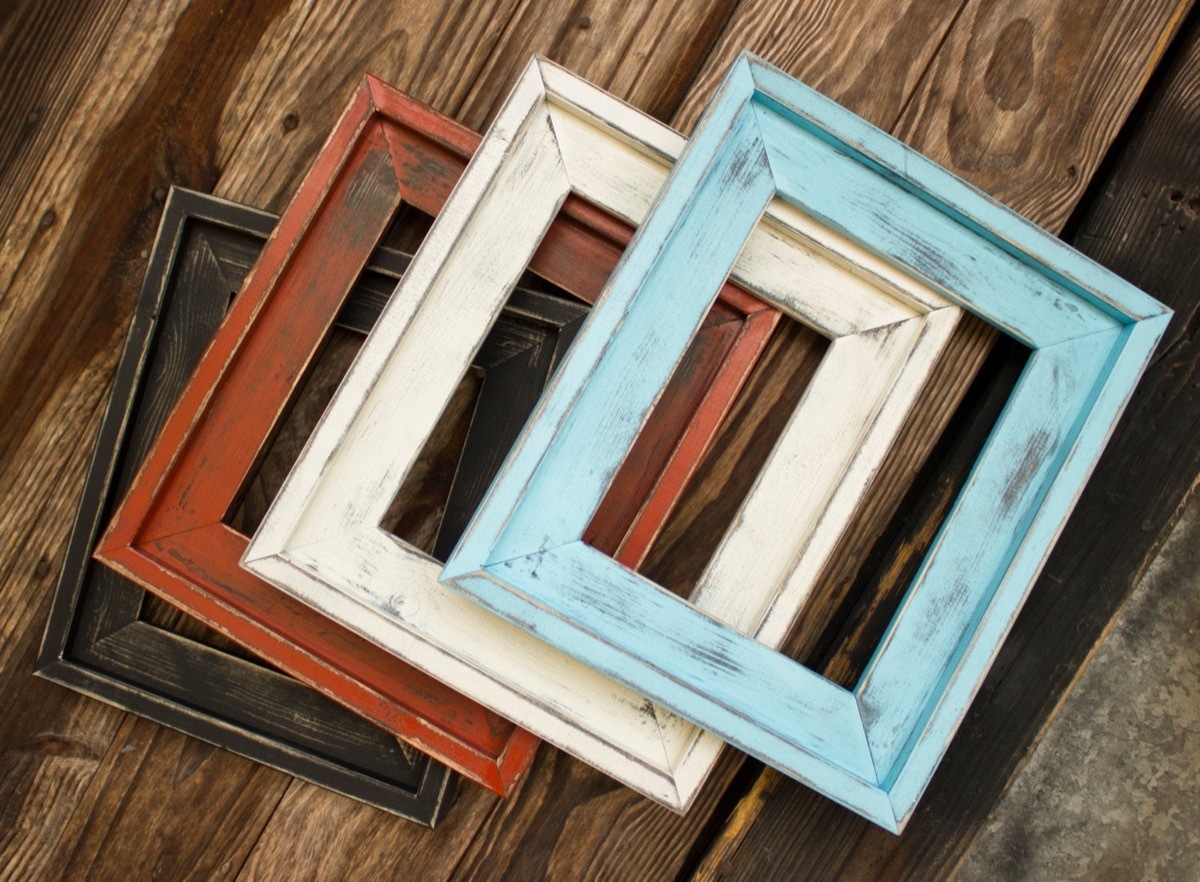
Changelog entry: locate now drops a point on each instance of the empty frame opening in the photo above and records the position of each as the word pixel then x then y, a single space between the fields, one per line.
pixel 685 542
pixel 419 508
pixel 481 422
pixel 839 638
pixel 304 411
pixel 359 312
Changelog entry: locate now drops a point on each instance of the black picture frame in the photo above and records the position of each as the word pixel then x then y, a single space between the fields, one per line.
pixel 97 640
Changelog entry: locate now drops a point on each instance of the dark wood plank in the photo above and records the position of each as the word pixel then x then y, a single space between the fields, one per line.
pixel 571 822
pixel 296 85
pixel 868 55
pixel 139 815
pixel 53 747
pixel 40 90
pixel 71 246
pixel 65 310
pixel 317 834
pixel 644 53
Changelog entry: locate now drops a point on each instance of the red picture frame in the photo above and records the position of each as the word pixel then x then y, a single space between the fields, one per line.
pixel 169 534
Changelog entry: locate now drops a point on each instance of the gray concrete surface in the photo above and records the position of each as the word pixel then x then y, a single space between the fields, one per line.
pixel 1112 791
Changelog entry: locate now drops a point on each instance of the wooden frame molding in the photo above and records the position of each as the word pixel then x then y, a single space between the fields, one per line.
pixel 872 748
pixel 98 640
pixel 322 541
pixel 170 535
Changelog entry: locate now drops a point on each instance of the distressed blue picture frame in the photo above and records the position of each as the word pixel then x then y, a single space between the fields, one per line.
pixel 875 747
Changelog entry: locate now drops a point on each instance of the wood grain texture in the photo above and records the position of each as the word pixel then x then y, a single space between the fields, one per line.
pixel 645 52
pixel 990 109
pixel 581 824
pixel 125 798
pixel 839 43
pixel 51 751
pixel 121 193
pixel 33 37
pixel 317 834
pixel 292 89
pixel 866 55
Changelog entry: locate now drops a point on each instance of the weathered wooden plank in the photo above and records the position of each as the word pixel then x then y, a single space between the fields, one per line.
pixel 645 52
pixel 162 781
pixel 570 822
pixel 40 89
pixel 315 834
pixel 1022 97
pixel 292 88
pixel 868 55
pixel 51 750
pixel 97 196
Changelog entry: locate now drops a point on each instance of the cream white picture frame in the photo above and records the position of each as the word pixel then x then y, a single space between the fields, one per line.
pixel 322 541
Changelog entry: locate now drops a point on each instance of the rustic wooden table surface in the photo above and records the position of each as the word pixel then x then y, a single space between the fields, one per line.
pixel 1084 115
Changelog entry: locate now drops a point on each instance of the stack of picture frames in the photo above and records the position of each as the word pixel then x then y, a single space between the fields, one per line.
pixel 179 532
pixel 443 553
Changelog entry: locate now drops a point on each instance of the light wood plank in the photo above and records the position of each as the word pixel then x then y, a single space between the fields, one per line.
pixel 293 88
